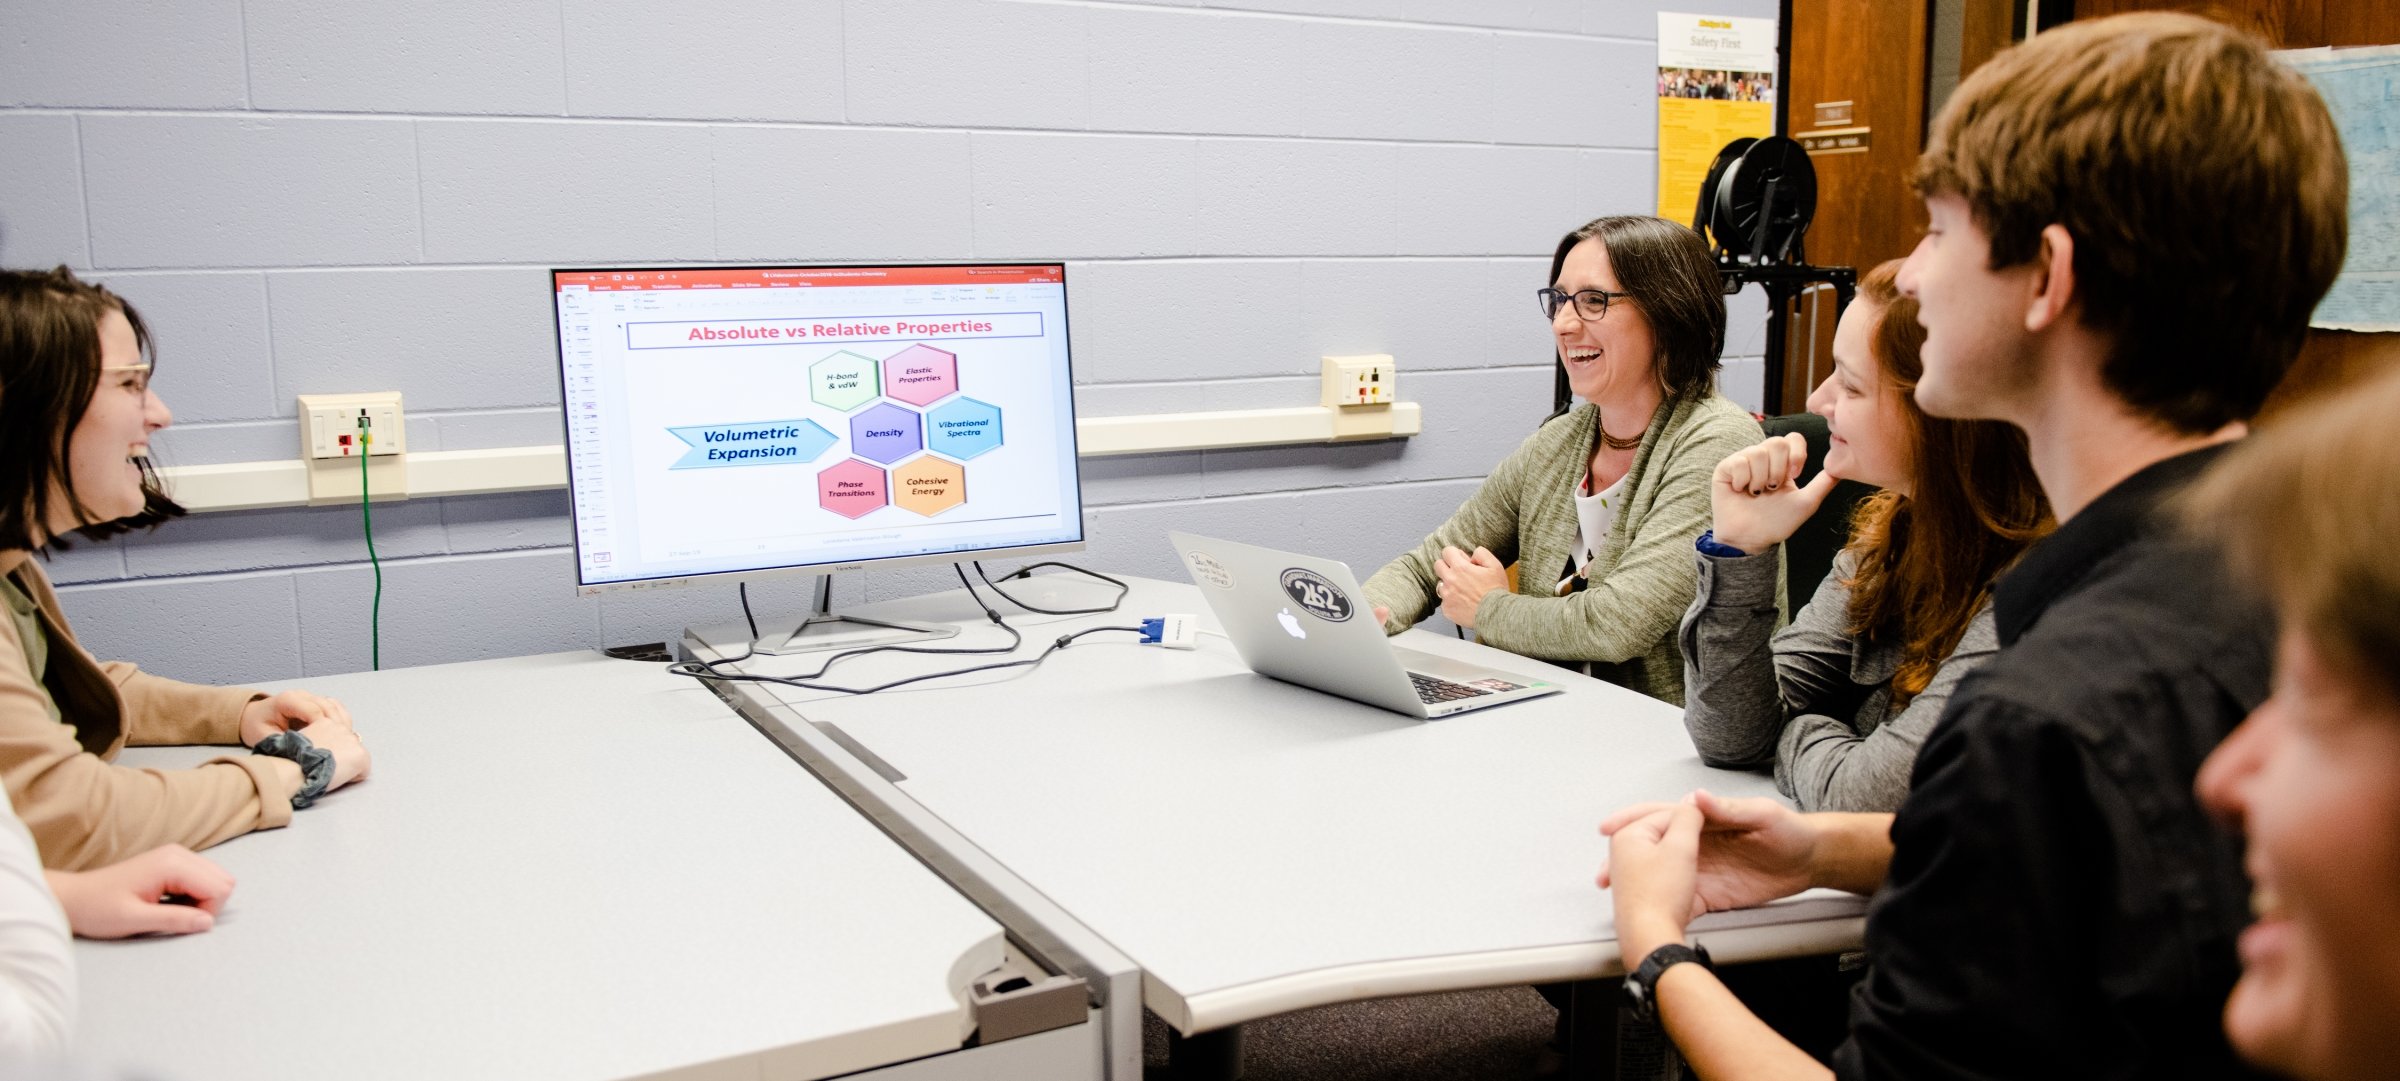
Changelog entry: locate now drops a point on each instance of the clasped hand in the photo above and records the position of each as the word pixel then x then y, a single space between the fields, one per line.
pixel 1756 497
pixel 1461 581
pixel 323 720
pixel 1670 862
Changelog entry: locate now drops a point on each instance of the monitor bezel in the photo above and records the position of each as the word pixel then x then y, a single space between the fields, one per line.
pixel 1074 436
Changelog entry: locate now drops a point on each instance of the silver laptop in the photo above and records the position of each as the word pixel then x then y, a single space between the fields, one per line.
pixel 1303 620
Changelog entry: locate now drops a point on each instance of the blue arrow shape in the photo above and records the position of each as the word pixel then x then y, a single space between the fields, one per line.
pixel 759 442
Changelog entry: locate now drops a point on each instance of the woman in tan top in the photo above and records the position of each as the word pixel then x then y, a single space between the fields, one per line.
pixel 76 413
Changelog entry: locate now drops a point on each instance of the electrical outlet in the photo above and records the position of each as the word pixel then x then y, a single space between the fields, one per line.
pixel 329 425
pixel 1359 381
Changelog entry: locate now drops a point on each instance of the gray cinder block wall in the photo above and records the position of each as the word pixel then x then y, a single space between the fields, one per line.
pixel 314 197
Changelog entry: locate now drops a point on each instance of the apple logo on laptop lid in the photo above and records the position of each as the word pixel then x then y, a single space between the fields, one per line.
pixel 1291 623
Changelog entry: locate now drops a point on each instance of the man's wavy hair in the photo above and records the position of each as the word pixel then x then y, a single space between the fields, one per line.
pixel 2201 179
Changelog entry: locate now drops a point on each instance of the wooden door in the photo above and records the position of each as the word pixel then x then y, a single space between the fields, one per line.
pixel 1870 54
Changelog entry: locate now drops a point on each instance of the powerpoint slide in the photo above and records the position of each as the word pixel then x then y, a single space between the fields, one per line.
pixel 805 426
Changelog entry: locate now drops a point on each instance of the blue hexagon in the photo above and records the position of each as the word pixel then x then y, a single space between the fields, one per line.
pixel 963 429
pixel 886 433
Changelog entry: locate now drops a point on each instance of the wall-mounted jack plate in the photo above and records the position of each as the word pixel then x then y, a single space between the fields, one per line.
pixel 1352 382
pixel 329 425
pixel 333 438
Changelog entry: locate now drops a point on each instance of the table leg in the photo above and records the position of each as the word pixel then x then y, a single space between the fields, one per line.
pixel 1591 1028
pixel 1209 1056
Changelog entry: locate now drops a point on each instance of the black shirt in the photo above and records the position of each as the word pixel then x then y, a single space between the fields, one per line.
pixel 2058 903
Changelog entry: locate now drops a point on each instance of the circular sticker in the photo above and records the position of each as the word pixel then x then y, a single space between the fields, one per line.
pixel 1317 594
pixel 1205 568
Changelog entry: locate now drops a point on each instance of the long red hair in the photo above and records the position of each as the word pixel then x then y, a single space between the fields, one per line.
pixel 1927 561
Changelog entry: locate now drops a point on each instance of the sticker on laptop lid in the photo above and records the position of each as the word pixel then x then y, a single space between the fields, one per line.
pixel 1205 568
pixel 1316 593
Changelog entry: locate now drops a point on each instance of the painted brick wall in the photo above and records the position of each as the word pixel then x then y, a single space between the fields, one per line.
pixel 305 197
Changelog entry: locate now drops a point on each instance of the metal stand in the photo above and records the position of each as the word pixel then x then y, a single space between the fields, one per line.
pixel 823 630
pixel 1784 283
pixel 1783 213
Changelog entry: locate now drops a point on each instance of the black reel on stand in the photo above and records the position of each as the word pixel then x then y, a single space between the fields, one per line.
pixel 1757 202
pixel 1755 209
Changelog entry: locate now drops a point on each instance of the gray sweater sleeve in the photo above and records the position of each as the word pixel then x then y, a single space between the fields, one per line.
pixel 1488 519
pixel 1825 765
pixel 1631 609
pixel 1743 680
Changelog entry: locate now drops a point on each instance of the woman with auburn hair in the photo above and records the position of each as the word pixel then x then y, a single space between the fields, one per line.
pixel 76 415
pixel 2309 509
pixel 1839 701
pixel 1597 507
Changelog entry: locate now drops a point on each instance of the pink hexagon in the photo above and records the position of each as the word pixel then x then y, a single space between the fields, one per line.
pixel 852 489
pixel 920 375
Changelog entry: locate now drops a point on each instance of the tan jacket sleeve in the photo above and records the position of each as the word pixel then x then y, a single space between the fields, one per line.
pixel 162 712
pixel 86 812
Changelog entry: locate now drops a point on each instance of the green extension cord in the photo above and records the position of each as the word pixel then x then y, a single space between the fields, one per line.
pixel 366 514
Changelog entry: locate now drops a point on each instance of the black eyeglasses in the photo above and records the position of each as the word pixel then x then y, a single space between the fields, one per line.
pixel 1590 304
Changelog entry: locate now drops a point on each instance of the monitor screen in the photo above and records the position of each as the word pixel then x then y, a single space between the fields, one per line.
pixel 744 420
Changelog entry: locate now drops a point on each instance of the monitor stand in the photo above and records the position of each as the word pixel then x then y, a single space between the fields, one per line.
pixel 823 630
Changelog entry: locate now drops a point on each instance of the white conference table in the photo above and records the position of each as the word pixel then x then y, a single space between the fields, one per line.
pixel 1256 847
pixel 564 867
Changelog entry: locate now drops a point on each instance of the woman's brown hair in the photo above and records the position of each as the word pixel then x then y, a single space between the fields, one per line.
pixel 1674 281
pixel 1926 561
pixel 49 367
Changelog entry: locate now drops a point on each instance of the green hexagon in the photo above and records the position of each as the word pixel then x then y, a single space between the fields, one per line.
pixel 844 381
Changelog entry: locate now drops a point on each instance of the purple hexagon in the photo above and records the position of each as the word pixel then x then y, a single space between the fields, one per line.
pixel 886 433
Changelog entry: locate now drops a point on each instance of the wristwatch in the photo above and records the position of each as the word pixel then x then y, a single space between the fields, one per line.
pixel 316 763
pixel 1641 987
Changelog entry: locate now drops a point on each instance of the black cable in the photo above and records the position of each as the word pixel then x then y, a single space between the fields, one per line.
pixel 748 653
pixel 696 669
pixel 708 669
pixel 1017 638
pixel 1027 570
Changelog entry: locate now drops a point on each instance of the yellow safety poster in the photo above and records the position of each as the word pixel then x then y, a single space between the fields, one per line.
pixel 1716 83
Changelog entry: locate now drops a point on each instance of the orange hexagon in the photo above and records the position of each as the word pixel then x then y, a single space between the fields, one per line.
pixel 928 485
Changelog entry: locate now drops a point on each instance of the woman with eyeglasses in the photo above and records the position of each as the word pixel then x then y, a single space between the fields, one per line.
pixel 1598 508
pixel 76 416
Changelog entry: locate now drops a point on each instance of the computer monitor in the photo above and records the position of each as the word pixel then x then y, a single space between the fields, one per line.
pixel 736 422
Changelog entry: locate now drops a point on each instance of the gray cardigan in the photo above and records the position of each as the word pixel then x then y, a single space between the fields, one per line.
pixel 1623 623
pixel 1809 698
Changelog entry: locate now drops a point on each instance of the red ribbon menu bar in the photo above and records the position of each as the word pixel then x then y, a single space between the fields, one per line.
pixel 771 278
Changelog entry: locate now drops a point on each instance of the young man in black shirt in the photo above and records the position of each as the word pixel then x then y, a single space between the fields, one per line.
pixel 2131 220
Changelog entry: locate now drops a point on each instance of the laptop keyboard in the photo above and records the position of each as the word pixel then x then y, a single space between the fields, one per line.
pixel 1434 692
